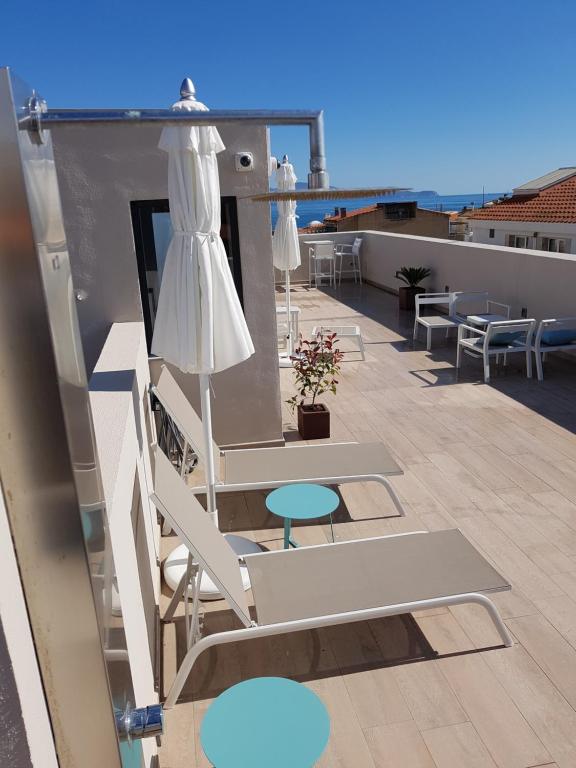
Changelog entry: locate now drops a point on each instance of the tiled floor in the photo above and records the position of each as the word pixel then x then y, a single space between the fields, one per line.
pixel 498 462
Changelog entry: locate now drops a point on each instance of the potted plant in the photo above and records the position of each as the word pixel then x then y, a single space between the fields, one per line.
pixel 316 367
pixel 412 276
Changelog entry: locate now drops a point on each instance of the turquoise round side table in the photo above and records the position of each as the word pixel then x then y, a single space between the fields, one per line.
pixel 266 722
pixel 301 501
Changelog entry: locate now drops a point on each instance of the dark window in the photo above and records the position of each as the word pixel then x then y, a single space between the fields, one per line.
pixel 491 233
pixel 152 235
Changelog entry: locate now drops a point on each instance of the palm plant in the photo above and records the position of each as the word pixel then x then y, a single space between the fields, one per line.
pixel 413 276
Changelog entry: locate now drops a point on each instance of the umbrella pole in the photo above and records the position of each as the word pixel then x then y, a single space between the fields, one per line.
pixel 289 343
pixel 206 407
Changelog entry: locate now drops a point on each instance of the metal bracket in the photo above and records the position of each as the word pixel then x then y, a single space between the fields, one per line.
pixel 35 107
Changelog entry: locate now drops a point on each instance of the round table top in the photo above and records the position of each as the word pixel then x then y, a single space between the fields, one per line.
pixel 302 501
pixel 264 722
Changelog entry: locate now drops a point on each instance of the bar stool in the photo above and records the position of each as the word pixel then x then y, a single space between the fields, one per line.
pixel 319 254
pixel 352 255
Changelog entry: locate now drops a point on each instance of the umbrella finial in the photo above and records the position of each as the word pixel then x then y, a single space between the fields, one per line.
pixel 187 90
pixel 285 159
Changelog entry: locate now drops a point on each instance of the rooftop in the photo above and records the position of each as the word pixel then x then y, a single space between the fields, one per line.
pixel 547 199
pixel 436 689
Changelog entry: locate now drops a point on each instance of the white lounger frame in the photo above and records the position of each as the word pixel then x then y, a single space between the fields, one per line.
pixel 254 630
pixel 196 644
pixel 222 486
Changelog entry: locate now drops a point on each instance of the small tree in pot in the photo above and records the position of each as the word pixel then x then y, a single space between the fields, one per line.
pixel 316 367
pixel 412 276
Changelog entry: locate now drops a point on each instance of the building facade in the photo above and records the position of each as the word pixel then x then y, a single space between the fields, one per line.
pixel 403 218
pixel 540 215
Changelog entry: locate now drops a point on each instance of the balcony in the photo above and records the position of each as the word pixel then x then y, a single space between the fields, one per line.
pixel 434 689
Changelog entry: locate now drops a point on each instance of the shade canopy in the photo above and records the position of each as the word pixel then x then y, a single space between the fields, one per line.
pixel 327 194
pixel 285 244
pixel 200 326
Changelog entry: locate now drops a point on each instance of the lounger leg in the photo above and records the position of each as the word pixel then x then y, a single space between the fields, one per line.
pixel 179 592
pixel 429 338
pixel 496 618
pixel 458 355
pixel 415 333
pixel 392 493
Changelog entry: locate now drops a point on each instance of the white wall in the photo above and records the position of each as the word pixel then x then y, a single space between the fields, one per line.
pixel 541 282
pixel 480 229
pixel 123 430
pixel 101 169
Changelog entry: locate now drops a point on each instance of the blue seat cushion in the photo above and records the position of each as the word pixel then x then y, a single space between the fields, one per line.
pixel 556 338
pixel 505 338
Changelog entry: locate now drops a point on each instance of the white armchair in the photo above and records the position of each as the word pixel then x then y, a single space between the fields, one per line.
pixel 505 336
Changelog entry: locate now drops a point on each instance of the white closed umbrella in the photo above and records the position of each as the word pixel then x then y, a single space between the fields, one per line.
pixel 200 326
pixel 285 243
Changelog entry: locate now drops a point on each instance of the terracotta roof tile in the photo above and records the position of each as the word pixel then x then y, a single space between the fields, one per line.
pixel 554 204
pixel 348 214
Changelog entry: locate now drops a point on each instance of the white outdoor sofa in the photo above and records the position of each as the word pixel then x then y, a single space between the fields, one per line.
pixel 260 468
pixel 554 335
pixel 502 337
pixel 317 586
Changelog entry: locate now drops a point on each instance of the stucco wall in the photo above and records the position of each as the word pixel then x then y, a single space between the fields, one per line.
pixel 542 283
pixel 101 170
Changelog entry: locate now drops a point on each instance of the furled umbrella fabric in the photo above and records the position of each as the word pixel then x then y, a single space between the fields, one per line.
pixel 285 243
pixel 199 326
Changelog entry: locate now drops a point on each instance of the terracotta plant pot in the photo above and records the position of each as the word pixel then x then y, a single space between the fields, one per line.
pixel 313 421
pixel 407 296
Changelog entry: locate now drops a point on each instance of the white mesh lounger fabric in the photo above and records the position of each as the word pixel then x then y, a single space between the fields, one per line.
pixel 258 468
pixel 323 585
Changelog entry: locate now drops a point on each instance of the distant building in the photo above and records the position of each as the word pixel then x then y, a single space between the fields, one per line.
pixel 404 218
pixel 540 214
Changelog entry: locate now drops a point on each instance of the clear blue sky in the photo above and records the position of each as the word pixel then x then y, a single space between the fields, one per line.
pixel 441 95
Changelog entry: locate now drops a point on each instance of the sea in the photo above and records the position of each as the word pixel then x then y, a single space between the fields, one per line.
pixel 315 210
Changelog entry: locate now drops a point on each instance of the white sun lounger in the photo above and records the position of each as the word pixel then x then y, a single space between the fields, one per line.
pixel 258 468
pixel 323 585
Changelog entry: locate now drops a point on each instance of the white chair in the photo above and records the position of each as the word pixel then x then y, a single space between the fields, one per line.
pixel 348 260
pixel 493 310
pixel 502 337
pixel 433 322
pixel 322 263
pixel 317 586
pixel 553 335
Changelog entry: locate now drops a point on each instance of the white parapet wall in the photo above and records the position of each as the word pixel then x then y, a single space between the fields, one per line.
pixel 124 430
pixel 541 283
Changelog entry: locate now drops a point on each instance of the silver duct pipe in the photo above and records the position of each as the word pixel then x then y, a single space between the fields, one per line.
pixel 38 118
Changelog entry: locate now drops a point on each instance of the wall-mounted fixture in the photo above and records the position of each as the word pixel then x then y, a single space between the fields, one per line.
pixel 244 161
pixel 139 723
